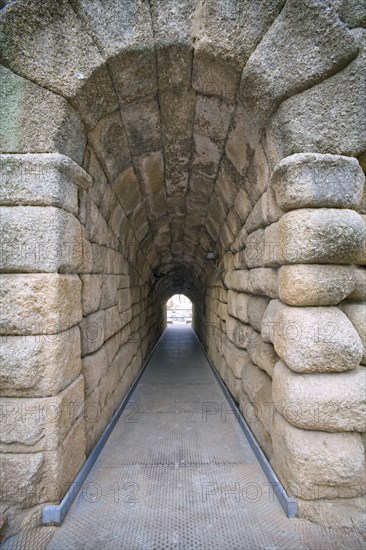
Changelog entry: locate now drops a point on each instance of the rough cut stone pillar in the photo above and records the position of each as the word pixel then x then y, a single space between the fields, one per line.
pixel 318 386
pixel 42 391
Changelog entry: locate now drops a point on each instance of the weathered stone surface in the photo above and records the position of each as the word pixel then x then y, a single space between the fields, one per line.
pixel 257 305
pixel 39 366
pixel 321 236
pixel 262 353
pixel 109 141
pixel 257 385
pixel 256 281
pixel 91 293
pixel 142 124
pixel 269 320
pixel 30 30
pixel 315 285
pixel 359 278
pixel 112 321
pixel 314 465
pixel 312 180
pixel 356 313
pixel 238 333
pixel 306 43
pixel 39 239
pixel 242 204
pixel 237 305
pixel 109 295
pixel 334 402
pixel 39 303
pixel 254 249
pixel 225 36
pixel 41 180
pixel 94 367
pixel 265 211
pixel 40 424
pixel 37 121
pixel 237 280
pixel 124 357
pixel 263 281
pixel 316 339
pixel 343 512
pixel 253 416
pixel 92 332
pixel 126 187
pixel 327 118
pixel 235 358
pixel 19 473
pixel 63 463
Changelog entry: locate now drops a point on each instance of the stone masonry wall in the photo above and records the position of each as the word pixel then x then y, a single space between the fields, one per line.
pixel 137 137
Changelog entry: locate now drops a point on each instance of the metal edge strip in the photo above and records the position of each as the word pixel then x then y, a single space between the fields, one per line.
pixel 54 514
pixel 289 504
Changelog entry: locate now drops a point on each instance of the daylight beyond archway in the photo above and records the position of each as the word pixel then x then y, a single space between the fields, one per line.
pixel 214 149
pixel 179 309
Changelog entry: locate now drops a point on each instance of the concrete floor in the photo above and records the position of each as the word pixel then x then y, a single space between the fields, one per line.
pixel 173 477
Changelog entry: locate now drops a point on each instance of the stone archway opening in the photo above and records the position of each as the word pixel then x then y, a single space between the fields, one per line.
pixel 179 309
pixel 139 140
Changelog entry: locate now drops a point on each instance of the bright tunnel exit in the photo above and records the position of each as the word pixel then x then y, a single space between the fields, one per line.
pixel 179 310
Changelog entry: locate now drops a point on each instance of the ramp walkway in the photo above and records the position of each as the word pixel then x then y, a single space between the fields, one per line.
pixel 177 472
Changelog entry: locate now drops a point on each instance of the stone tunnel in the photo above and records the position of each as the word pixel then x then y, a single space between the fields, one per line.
pixel 214 148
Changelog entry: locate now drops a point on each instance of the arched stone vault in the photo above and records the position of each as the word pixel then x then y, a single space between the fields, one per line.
pixel 137 137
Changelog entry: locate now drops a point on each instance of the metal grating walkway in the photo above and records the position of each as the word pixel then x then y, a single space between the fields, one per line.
pixel 171 477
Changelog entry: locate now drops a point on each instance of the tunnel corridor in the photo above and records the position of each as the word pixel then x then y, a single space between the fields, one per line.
pixel 213 148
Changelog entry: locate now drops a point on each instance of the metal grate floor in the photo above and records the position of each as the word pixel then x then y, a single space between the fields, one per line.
pixel 172 477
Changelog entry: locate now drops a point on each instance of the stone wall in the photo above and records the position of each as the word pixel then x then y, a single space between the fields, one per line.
pixel 137 140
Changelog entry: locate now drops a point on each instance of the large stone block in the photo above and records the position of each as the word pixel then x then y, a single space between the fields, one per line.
pixel 142 124
pixel 36 120
pixel 40 424
pixel 263 281
pixel 343 512
pixel 62 464
pixel 235 358
pixel 41 180
pixel 124 357
pixel 316 339
pixel 225 36
pixel 19 474
pixel 315 285
pixel 253 255
pixel 265 211
pixel 356 313
pixel 312 180
pixel 94 367
pixel 238 333
pixel 92 332
pixel 321 236
pixel 326 118
pixel 269 320
pixel 39 303
pixel 257 305
pixel 42 365
pixel 110 143
pixel 305 44
pixel 237 305
pixel 317 465
pixel 359 278
pixel 39 239
pixel 109 295
pixel 334 402
pixel 258 387
pixel 31 30
pixel 91 293
pixel 262 353
pixel 253 417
